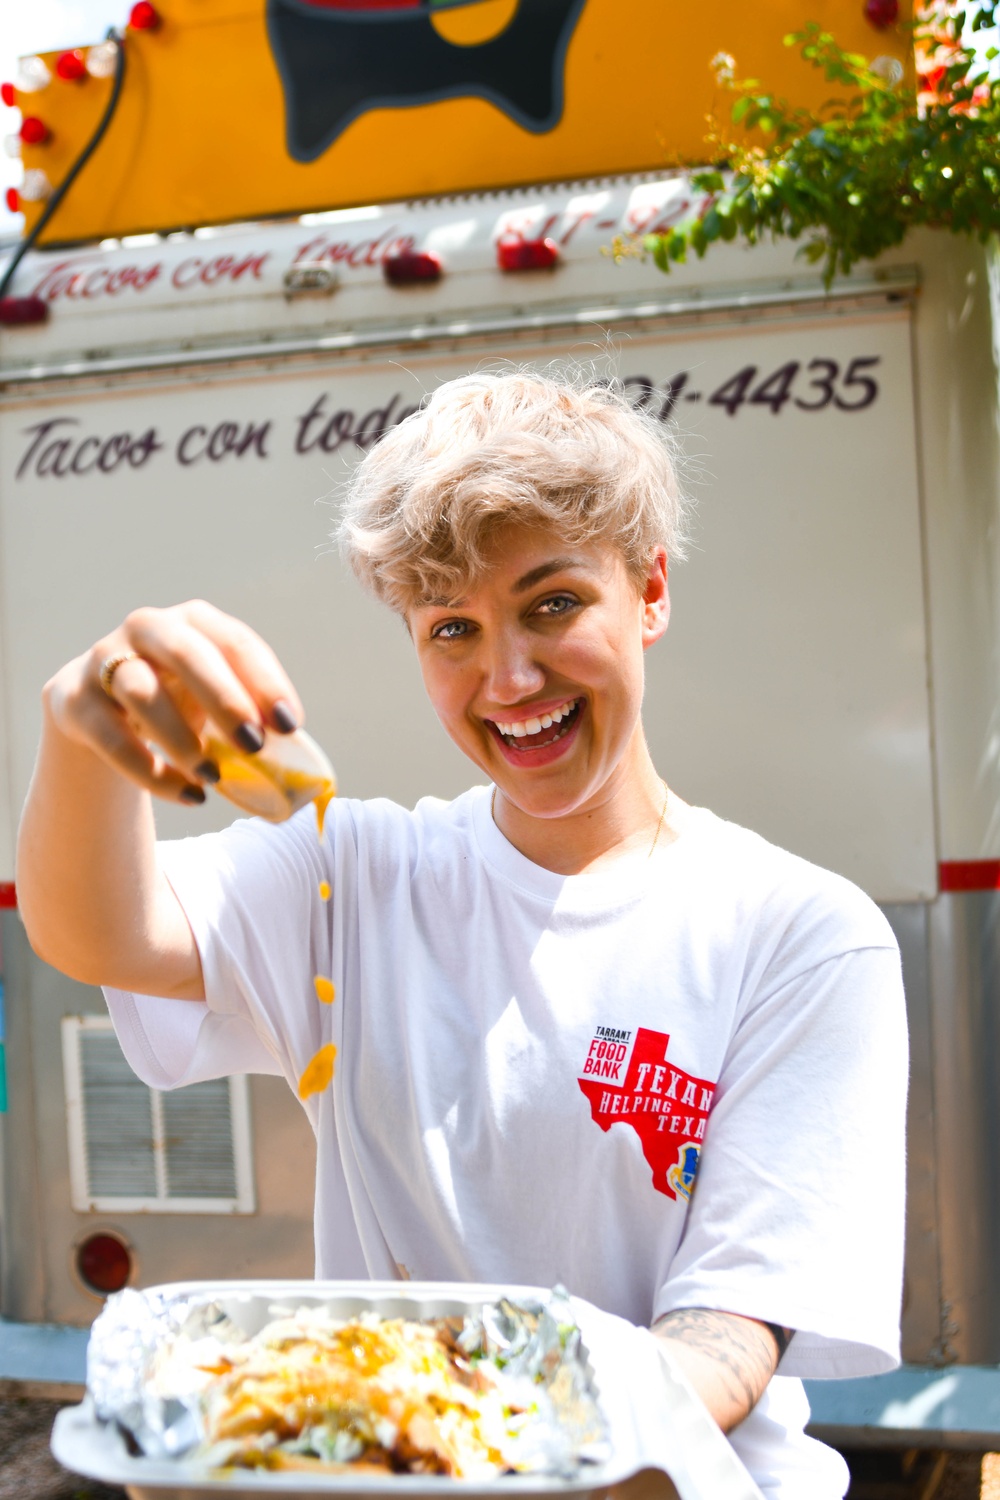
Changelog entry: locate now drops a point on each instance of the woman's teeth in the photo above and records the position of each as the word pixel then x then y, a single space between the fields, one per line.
pixel 523 727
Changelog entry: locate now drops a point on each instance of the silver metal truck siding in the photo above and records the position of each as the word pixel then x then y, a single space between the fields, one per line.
pixel 39 1229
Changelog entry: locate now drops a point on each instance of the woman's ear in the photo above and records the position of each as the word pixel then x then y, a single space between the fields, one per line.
pixel 655 599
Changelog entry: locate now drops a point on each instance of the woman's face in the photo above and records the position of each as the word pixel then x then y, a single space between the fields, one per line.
pixel 536 671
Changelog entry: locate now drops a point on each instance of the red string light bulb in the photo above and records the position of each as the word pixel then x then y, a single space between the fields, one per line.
pixel 143 16
pixel 13 200
pixel 882 13
pixel 34 132
pixel 71 66
pixel 7 94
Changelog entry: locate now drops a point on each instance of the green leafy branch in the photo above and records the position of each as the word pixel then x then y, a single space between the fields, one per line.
pixel 883 156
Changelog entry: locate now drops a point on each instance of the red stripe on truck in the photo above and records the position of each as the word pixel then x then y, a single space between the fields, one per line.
pixel 953 875
pixel 969 875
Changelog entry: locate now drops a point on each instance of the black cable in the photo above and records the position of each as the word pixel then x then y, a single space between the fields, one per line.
pixel 77 167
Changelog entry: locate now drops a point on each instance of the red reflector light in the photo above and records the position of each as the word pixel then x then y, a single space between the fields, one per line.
pixel 103 1263
pixel 12 198
pixel 71 66
pixel 410 266
pixel 7 94
pixel 143 16
pixel 15 312
pixel 527 255
pixel 34 132
pixel 882 13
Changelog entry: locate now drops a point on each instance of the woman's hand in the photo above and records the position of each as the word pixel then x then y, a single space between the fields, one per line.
pixel 90 890
pixel 165 673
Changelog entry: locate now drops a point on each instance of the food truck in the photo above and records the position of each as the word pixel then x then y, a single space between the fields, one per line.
pixel 301 217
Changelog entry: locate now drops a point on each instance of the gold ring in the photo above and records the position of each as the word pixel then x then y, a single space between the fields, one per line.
pixel 110 667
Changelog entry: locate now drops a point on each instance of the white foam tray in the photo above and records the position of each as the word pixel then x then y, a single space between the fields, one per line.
pixel 655 1419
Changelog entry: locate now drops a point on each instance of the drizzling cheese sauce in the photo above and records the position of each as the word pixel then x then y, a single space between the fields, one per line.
pixel 286 774
pixel 321 802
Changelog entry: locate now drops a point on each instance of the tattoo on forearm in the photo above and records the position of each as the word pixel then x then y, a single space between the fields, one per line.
pixel 745 1351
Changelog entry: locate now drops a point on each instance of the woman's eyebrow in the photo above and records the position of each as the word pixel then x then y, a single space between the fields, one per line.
pixel 544 570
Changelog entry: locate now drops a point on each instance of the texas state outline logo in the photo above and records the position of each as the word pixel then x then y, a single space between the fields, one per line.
pixel 629 1079
pixel 339 58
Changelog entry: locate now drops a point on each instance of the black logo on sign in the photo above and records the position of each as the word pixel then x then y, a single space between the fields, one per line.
pixel 340 58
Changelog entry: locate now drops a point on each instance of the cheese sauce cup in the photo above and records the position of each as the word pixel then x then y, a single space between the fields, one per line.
pixel 287 773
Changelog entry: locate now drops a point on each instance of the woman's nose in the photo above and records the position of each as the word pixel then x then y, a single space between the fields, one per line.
pixel 512 672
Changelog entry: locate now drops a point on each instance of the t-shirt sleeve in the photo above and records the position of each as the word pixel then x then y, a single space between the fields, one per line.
pixel 171 1043
pixel 797 1214
pixel 252 895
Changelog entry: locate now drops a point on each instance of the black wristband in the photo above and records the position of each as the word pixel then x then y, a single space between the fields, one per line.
pixel 782 1337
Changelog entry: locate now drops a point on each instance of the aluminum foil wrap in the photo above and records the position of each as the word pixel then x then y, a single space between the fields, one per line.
pixel 151 1353
pixel 136 1370
pixel 541 1349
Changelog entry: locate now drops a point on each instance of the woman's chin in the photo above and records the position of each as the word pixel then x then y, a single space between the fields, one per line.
pixel 556 798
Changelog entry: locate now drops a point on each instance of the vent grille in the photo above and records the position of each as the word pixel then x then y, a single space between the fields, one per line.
pixel 118 1123
pixel 134 1148
pixel 198 1137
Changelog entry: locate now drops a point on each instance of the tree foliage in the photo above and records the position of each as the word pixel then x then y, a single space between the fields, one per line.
pixel 887 152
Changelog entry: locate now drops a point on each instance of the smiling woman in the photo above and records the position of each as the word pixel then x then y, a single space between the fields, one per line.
pixel 536 673
pixel 521 526
pixel 565 1028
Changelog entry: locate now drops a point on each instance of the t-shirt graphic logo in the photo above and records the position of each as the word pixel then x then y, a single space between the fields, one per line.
pixel 684 1170
pixel 627 1076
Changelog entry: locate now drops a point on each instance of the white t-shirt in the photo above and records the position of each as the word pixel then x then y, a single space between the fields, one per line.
pixel 531 1068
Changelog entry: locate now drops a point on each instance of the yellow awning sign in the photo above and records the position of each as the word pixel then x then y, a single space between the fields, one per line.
pixel 246 109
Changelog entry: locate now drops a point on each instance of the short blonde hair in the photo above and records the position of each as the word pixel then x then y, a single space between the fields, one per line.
pixel 490 450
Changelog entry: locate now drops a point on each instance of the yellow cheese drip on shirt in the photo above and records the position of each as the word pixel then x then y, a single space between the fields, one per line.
pixel 318 1072
pixel 326 990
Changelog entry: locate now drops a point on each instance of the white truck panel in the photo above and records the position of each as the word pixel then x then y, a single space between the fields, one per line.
pixel 154 291
pixel 151 295
pixel 790 693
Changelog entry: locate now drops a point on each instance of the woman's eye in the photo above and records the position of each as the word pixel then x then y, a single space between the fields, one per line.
pixel 559 604
pixel 451 630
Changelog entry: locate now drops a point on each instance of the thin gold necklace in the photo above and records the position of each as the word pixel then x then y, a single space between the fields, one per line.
pixel 663 814
pixel 656 835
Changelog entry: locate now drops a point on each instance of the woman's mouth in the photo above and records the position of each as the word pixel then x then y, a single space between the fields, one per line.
pixel 521 735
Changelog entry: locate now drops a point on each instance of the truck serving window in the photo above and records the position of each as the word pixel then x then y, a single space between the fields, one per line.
pixel 132 1148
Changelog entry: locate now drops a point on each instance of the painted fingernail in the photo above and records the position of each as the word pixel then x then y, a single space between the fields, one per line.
pixel 192 794
pixel 283 718
pixel 249 738
pixel 207 771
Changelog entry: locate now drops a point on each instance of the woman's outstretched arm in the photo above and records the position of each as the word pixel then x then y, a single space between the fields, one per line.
pixel 90 891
